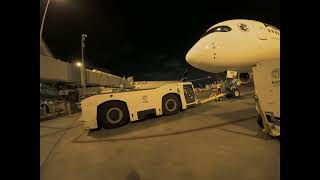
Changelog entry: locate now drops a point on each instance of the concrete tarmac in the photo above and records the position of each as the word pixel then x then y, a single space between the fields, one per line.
pixel 218 140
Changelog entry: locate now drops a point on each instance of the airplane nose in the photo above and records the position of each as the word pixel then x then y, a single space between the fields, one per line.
pixel 191 56
pixel 188 57
pixel 198 56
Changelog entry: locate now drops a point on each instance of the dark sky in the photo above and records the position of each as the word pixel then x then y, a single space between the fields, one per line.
pixel 145 39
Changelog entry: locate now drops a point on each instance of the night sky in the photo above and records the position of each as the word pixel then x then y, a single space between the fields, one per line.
pixel 145 39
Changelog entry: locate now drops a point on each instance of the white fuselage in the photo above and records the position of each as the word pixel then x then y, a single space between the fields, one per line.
pixel 235 45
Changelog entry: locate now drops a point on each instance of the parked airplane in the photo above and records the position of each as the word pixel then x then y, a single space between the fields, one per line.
pixel 235 45
pixel 245 45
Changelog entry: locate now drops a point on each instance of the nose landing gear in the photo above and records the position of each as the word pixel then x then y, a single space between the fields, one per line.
pixel 231 88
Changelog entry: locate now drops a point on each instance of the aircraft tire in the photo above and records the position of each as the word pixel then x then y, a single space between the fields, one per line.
pixel 236 93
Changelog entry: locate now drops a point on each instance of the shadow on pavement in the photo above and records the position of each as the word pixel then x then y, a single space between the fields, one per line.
pixel 100 137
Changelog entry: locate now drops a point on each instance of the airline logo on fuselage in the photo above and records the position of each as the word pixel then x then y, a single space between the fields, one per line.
pixel 243 27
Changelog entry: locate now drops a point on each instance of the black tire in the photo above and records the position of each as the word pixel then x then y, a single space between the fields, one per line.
pixel 113 115
pixel 229 93
pixel 171 104
pixel 236 93
pixel 259 121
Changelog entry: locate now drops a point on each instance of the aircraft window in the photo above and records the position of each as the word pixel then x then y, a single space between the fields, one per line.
pixel 268 25
pixel 217 29
pixel 269 30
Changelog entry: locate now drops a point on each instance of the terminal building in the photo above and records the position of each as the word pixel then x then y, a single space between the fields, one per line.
pixel 60 82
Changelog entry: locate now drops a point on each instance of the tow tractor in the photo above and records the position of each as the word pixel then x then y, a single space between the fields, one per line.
pixel 112 110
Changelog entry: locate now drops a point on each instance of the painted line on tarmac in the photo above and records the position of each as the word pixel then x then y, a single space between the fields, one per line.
pixel 55 145
pixel 49 127
pixel 241 133
pixel 61 130
pixel 76 140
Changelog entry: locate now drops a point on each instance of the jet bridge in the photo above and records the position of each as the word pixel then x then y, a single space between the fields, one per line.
pixel 52 69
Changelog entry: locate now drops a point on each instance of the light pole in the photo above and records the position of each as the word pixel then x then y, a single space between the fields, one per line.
pixel 43 19
pixel 83 77
pixel 80 65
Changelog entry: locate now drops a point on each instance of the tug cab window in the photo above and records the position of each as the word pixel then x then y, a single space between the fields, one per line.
pixel 217 29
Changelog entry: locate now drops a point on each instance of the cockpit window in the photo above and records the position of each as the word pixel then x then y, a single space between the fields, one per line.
pixel 217 29
pixel 268 25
